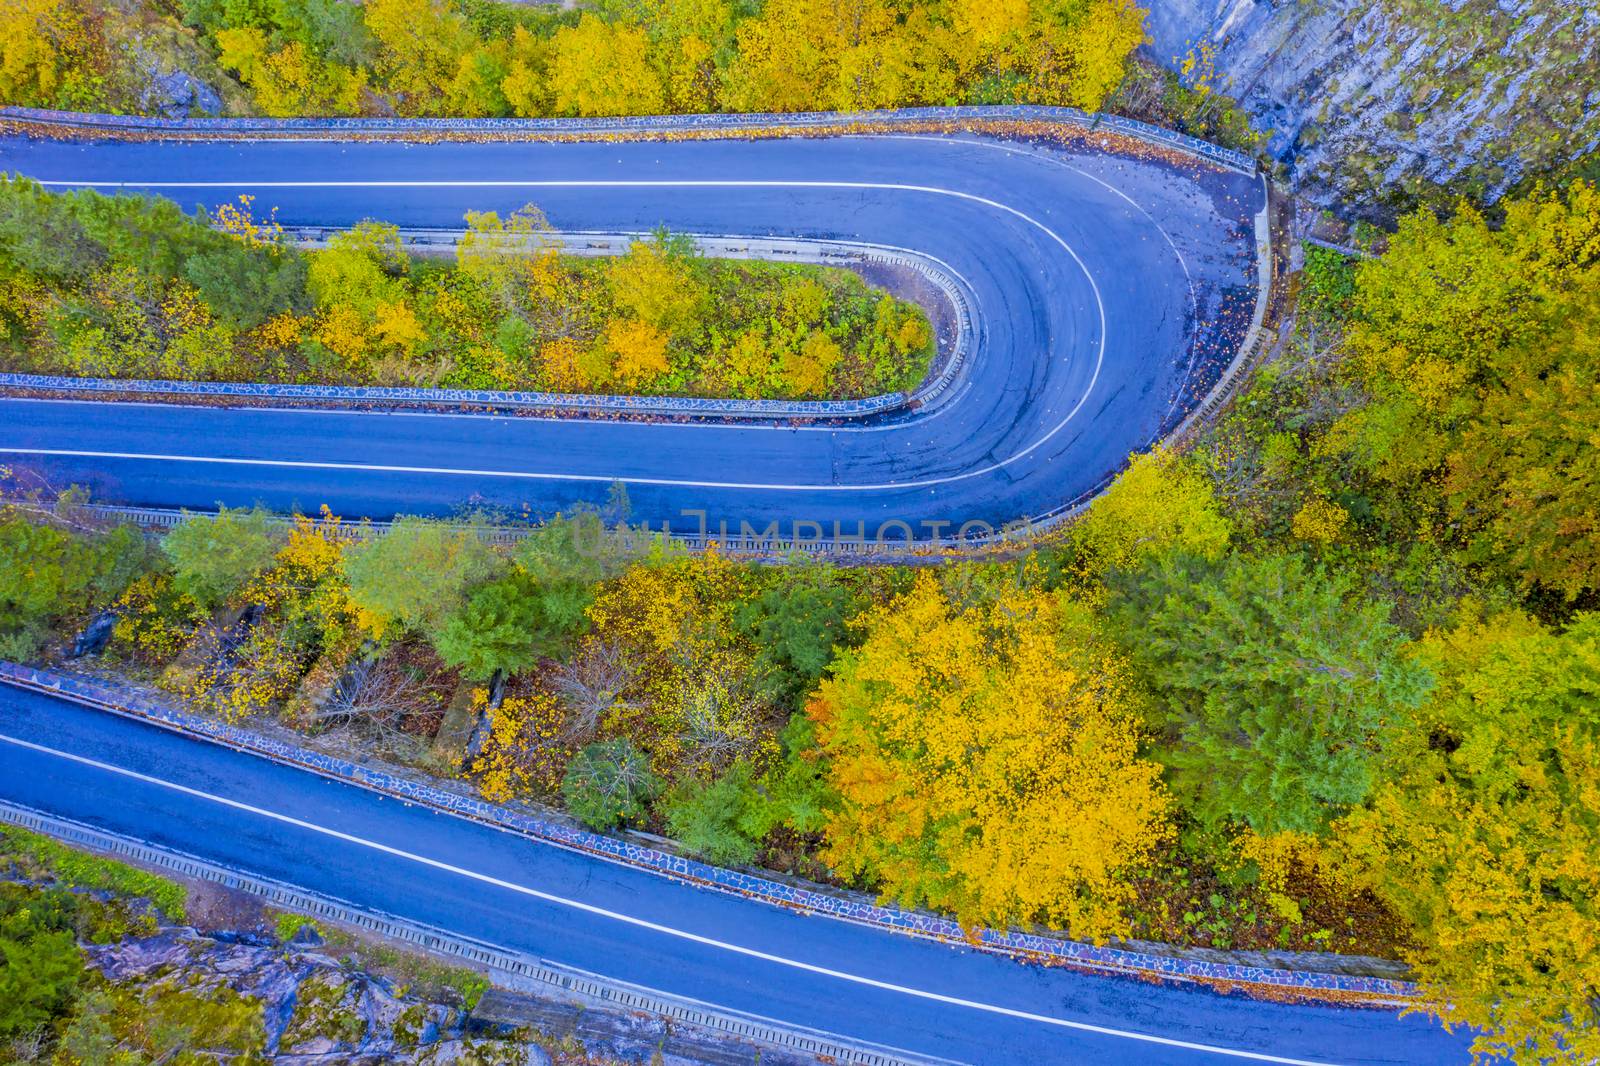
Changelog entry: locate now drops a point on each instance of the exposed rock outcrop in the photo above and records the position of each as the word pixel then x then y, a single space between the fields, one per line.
pixel 1374 104
pixel 176 93
pixel 313 1009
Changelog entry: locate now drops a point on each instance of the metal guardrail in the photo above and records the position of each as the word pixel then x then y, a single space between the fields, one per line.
pixel 515 968
pixel 640 126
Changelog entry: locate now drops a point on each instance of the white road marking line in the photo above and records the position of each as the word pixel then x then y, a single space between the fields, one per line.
pixel 666 183
pixel 656 927
pixel 525 475
pixel 1194 303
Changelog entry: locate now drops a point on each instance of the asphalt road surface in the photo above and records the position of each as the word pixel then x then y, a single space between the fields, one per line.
pixel 1108 294
pixel 915 995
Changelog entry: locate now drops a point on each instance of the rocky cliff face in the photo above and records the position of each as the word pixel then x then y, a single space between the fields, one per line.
pixel 1374 104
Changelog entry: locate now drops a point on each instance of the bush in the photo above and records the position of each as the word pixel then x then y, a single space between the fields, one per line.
pixel 44 573
pixel 721 819
pixel 797 623
pixel 1328 284
pixel 212 558
pixel 609 783
pixel 40 966
pixel 416 575
pixel 47 573
pixel 286 925
pixel 495 630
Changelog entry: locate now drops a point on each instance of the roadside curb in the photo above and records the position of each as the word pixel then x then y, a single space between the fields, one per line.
pixel 733 124
pixel 1260 981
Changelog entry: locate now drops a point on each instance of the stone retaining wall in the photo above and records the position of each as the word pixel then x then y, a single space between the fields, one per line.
pixel 638 126
pixel 1257 979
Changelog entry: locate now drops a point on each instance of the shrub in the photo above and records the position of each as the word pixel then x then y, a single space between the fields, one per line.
pixel 212 558
pixel 416 575
pixel 609 783
pixel 721 819
pixel 40 966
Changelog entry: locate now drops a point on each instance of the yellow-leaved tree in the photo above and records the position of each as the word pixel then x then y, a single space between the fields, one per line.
pixel 1096 51
pixel 987 763
pixel 658 284
pixel 603 68
pixel 808 369
pixel 639 350
pixel 523 754
pixel 48 55
pixel 289 81
pixel 422 44
pixel 1486 837
pixel 1162 501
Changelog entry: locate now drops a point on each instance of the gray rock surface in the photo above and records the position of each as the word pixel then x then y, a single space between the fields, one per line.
pixel 392 1028
pixel 175 93
pixel 1373 103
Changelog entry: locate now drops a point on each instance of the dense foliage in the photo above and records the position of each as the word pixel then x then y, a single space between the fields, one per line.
pixel 1317 683
pixel 1326 680
pixel 475 57
pixel 987 762
pixel 121 286
pixel 45 913
pixel 1486 832
pixel 1272 681
pixel 1430 435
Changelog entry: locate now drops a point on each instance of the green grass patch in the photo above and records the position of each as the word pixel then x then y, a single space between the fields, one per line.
pixel 288 924
pixel 40 858
pixel 320 1010
pixel 411 972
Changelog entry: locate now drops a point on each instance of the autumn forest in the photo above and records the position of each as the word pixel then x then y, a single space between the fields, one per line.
pixel 1325 678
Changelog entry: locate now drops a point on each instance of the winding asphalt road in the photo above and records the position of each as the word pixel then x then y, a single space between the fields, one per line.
pixel 1108 293
pixel 915 995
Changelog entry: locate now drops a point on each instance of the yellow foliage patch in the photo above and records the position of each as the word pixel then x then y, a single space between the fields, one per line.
pixel 987 767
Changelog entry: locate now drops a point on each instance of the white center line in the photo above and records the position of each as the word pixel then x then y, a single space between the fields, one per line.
pixel 656 927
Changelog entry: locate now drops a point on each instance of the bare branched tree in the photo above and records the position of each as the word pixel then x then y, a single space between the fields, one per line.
pixel 718 720
pixel 29 493
pixel 591 686
pixel 373 703
pixel 27 1047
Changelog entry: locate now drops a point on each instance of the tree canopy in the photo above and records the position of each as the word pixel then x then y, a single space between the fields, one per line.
pixel 1478 347
pixel 416 575
pixel 987 763
pixel 1485 835
pixel 1273 682
pixel 212 557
